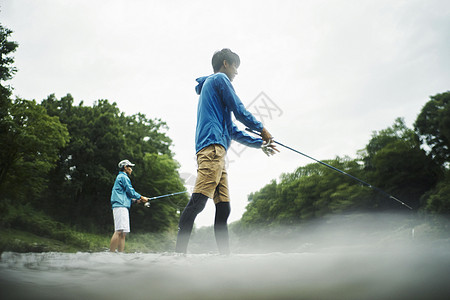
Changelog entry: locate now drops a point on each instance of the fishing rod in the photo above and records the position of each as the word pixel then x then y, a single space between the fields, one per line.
pixel 147 204
pixel 336 169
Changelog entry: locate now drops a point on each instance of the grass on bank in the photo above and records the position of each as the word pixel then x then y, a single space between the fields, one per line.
pixel 21 241
pixel 23 229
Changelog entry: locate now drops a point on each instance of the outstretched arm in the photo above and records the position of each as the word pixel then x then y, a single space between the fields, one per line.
pixel 266 143
pixel 245 139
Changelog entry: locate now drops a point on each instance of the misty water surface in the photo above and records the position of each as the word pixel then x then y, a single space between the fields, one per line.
pixel 352 258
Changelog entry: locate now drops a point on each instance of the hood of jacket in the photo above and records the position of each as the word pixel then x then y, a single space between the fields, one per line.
pixel 201 81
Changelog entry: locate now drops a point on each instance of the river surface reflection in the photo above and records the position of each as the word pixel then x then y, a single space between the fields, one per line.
pixel 332 274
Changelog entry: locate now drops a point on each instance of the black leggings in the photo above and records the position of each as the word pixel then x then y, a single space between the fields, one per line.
pixel 221 227
pixel 193 208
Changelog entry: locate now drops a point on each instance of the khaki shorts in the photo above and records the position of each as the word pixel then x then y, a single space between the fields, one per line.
pixel 212 178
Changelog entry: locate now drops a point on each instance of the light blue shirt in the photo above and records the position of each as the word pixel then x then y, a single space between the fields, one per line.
pixel 216 103
pixel 123 192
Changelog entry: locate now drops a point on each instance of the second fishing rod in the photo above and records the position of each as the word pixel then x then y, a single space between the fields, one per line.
pixel 147 204
pixel 337 170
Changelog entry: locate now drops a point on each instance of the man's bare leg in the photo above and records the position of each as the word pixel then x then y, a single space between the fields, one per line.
pixel 116 241
pixel 121 241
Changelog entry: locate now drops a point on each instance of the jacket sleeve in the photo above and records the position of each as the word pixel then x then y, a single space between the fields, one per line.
pixel 129 190
pixel 243 138
pixel 232 101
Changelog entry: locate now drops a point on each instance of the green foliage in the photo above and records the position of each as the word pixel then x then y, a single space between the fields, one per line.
pixel 397 164
pixel 393 160
pixel 16 219
pixel 30 139
pixel 433 126
pixel 397 132
pixel 101 136
pixel 25 229
pixel 30 148
pixel 437 201
pixel 310 192
pixel 159 176
pixel 7 47
pixel 81 183
pixel 6 73
pixel 61 159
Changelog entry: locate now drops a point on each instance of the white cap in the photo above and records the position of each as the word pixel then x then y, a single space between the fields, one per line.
pixel 125 163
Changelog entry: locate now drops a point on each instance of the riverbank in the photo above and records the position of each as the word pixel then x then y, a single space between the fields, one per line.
pixel 14 240
pixel 24 229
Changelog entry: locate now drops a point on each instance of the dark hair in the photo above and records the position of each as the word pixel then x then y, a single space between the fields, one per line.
pixel 123 168
pixel 224 54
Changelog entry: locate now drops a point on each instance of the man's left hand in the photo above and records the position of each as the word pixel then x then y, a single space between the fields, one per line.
pixel 269 148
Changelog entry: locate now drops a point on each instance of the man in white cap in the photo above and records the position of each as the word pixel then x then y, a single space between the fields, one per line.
pixel 122 196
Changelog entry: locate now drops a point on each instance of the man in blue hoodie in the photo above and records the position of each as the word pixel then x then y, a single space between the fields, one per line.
pixel 214 133
pixel 122 196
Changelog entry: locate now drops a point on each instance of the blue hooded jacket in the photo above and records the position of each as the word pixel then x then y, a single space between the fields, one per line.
pixel 122 191
pixel 214 124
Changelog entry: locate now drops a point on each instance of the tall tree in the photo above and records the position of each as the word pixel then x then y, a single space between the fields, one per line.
pixel 30 138
pixel 7 47
pixel 433 127
pixel 30 148
pixel 101 136
pixel 393 161
pixel 85 173
pixel 310 192
pixel 438 199
pixel 7 70
pixel 157 175
pixel 396 163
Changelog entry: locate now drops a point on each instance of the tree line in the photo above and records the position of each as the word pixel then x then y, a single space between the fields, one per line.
pixel 410 164
pixel 61 158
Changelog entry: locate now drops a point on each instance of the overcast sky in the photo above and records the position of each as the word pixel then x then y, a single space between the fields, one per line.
pixel 321 75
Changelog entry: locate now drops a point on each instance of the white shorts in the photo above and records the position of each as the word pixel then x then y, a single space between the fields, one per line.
pixel 121 219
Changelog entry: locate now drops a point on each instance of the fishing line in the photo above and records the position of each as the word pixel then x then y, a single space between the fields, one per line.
pixel 336 169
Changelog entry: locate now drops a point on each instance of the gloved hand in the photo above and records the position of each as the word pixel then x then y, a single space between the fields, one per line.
pixel 269 148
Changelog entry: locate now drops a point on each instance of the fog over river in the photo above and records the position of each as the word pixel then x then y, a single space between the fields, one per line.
pixel 361 257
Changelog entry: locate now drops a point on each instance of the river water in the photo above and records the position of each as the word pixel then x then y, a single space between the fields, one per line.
pixel 401 268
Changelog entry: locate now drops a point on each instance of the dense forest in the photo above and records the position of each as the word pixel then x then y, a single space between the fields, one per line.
pixel 59 160
pixel 410 164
